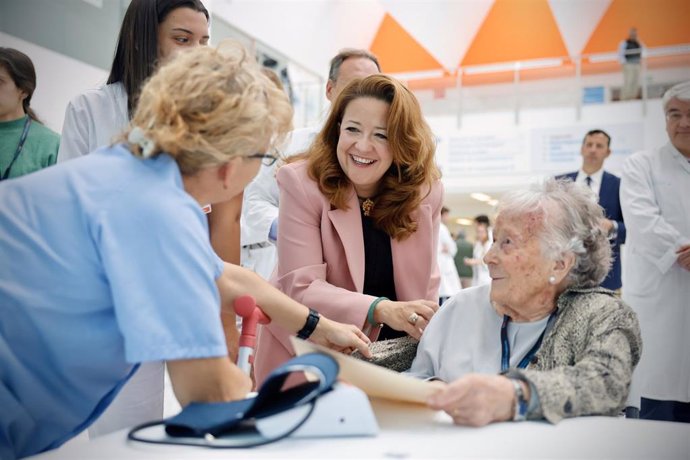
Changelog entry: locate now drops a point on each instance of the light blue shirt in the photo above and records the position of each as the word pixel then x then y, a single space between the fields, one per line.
pixel 464 336
pixel 105 262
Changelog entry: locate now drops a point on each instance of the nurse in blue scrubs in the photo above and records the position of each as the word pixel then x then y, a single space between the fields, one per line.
pixel 105 261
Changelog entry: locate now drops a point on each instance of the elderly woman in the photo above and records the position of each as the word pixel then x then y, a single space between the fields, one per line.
pixel 112 265
pixel 359 219
pixel 542 341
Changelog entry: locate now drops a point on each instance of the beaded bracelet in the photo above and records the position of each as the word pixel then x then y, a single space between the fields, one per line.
pixel 372 307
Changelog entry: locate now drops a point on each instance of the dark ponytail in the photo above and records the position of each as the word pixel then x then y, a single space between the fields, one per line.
pixel 22 72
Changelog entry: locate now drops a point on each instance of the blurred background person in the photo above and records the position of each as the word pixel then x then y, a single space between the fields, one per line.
pixel 595 149
pixel 464 251
pixel 482 244
pixel 26 145
pixel 630 56
pixel 359 219
pixel 450 280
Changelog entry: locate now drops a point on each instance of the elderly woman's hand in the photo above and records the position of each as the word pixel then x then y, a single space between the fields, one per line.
pixel 476 399
pixel 412 316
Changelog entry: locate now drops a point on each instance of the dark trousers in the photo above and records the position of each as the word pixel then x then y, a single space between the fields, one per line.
pixel 670 411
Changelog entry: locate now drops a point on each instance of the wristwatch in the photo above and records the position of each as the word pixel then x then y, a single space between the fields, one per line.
pixel 521 403
pixel 309 325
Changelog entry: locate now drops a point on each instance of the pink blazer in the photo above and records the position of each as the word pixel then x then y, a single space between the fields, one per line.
pixel 321 259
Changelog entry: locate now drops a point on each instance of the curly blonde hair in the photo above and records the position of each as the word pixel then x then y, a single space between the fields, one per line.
pixel 207 106
pixel 410 140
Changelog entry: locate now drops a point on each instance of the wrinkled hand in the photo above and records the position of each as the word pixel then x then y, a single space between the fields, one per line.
pixel 397 315
pixel 344 338
pixel 476 399
pixel 684 256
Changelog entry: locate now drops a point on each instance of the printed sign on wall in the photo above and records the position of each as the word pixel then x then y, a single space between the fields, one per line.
pixel 557 150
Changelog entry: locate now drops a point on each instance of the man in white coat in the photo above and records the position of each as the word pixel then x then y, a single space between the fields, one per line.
pixel 655 191
pixel 259 222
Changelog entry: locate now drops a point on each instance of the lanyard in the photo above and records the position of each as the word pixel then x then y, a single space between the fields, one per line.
pixel 505 344
pixel 20 146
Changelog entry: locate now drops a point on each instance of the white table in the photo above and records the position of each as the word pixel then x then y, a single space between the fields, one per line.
pixel 410 431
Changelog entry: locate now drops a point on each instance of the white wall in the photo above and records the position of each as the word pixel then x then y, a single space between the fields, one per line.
pixel 59 78
pixel 491 153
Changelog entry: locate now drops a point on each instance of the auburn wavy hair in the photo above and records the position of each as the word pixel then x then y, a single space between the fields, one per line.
pixel 410 140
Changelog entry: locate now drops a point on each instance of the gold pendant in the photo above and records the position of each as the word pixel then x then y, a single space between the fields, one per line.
pixel 367 206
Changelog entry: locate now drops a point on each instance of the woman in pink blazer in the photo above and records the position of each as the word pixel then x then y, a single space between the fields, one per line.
pixel 359 219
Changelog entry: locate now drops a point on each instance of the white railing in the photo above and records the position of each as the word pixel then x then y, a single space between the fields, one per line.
pixel 572 74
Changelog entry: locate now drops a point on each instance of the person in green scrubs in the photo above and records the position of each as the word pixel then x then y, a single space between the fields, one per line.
pixel 26 145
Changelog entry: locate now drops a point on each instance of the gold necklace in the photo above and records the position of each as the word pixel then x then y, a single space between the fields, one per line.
pixel 367 206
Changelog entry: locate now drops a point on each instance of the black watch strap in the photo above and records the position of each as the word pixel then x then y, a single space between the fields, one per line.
pixel 310 325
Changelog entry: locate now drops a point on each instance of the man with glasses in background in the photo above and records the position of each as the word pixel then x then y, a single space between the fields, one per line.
pixel 655 186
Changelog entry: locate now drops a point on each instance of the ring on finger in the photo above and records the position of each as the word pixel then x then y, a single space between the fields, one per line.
pixel 412 319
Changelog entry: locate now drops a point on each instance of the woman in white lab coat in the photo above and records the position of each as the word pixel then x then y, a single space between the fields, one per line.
pixel 480 271
pixel 450 280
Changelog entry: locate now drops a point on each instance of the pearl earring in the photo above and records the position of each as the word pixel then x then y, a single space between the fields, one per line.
pixel 552 280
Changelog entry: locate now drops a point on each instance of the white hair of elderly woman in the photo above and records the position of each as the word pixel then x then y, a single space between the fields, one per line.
pixel 571 221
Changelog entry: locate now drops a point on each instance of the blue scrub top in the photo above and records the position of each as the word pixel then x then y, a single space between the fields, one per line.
pixel 105 262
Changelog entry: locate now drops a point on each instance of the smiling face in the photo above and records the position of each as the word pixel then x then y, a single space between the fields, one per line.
pixel 182 28
pixel 362 149
pixel 519 272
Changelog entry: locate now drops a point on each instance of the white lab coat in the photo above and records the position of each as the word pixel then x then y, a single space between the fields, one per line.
pixel 450 280
pixel 480 272
pixel 94 119
pixel 260 208
pixel 655 191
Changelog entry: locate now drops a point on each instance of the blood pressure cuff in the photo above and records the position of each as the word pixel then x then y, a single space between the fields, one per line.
pixel 217 419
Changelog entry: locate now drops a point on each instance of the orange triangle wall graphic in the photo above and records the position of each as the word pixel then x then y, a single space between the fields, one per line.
pixel 658 22
pixel 516 30
pixel 398 51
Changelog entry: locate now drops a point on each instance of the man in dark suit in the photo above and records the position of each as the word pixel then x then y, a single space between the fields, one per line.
pixel 595 149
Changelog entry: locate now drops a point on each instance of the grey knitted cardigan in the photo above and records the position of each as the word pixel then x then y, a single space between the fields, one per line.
pixel 584 365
